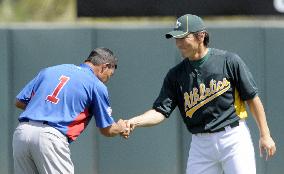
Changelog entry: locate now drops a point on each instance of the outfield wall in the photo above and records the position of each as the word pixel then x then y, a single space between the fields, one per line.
pixel 144 58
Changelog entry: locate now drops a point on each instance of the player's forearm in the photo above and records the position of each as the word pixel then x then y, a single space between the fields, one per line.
pixel 114 129
pixel 149 118
pixel 258 113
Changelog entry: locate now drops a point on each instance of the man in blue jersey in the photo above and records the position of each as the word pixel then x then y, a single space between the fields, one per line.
pixel 58 105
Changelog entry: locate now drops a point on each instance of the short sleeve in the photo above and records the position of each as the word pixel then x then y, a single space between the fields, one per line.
pixel 101 107
pixel 28 91
pixel 166 101
pixel 243 78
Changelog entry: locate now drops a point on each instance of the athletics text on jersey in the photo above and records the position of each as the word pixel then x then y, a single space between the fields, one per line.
pixel 209 96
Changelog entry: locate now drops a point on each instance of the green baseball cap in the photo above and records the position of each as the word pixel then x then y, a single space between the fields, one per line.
pixel 186 24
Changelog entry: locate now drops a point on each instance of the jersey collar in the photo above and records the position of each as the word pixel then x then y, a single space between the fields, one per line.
pixel 198 63
pixel 84 65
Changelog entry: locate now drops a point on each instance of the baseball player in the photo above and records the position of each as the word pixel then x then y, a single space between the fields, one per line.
pixel 58 105
pixel 210 88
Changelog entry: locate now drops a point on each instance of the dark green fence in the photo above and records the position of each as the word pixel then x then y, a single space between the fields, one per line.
pixel 144 58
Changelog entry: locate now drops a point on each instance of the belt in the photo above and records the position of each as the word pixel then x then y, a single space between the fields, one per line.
pixel 27 120
pixel 230 126
pixel 22 120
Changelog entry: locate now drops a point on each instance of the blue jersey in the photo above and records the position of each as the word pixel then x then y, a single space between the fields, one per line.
pixel 67 96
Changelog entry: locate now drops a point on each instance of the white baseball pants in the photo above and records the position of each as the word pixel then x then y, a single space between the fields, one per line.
pixel 226 152
pixel 39 148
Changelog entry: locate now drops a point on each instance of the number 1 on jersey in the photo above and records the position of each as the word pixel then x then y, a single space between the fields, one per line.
pixel 53 97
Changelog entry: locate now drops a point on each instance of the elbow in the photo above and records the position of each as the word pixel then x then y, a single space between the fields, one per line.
pixel 20 105
pixel 17 103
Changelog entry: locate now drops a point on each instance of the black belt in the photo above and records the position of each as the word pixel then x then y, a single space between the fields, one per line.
pixel 232 125
pixel 22 120
pixel 27 120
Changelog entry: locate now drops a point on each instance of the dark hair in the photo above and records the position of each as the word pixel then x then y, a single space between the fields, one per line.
pixel 102 55
pixel 206 37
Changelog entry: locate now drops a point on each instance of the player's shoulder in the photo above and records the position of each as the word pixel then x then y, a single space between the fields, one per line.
pixel 60 67
pixel 83 75
pixel 224 54
pixel 57 69
pixel 217 52
pixel 221 53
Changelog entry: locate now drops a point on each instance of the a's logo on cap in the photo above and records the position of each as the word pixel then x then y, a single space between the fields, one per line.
pixel 178 24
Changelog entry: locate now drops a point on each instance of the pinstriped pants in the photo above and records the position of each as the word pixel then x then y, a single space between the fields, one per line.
pixel 39 148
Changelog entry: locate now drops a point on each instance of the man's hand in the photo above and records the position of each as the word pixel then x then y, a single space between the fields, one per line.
pixel 117 128
pixel 124 129
pixel 129 128
pixel 267 144
pixel 149 118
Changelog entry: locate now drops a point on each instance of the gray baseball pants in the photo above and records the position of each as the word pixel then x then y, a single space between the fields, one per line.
pixel 39 148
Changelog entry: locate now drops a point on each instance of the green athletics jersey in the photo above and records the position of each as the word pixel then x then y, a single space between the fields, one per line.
pixel 210 94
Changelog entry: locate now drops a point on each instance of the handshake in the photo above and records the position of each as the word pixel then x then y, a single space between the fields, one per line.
pixel 126 127
pixel 149 118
